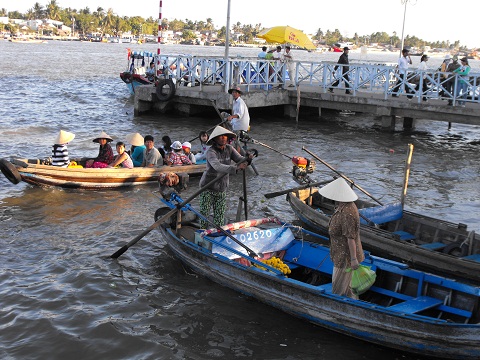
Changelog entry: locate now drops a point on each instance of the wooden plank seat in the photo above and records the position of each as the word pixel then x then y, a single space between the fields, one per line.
pixel 433 246
pixel 416 305
pixel 404 236
pixel 474 257
pixel 382 214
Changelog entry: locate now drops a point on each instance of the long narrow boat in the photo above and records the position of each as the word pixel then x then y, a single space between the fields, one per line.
pixel 34 171
pixel 405 309
pixel 423 242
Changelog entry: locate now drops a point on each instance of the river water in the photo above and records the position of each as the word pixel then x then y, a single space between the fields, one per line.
pixel 60 293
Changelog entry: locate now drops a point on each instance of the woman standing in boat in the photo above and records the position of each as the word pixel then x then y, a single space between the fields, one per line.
pixel 60 150
pixel 219 161
pixel 105 152
pixel 344 229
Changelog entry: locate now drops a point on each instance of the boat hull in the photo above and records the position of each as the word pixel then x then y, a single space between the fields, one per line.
pixel 91 179
pixel 318 305
pixel 133 81
pixel 384 242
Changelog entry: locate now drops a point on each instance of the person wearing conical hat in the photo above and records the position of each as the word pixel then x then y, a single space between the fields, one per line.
pixel 137 149
pixel 344 229
pixel 59 150
pixel 221 158
pixel 105 152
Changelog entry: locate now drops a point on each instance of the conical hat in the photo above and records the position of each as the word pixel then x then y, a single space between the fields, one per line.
pixel 338 190
pixel 135 139
pixel 64 137
pixel 103 135
pixel 220 131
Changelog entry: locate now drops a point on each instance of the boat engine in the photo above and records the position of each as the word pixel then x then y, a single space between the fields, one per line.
pixel 172 182
pixel 301 168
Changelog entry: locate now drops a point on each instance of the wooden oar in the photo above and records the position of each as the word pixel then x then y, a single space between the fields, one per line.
pixel 207 131
pixel 283 192
pixel 407 173
pixel 164 218
pixel 339 173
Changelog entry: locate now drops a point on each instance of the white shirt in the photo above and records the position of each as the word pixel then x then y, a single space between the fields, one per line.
pixel 240 109
pixel 403 64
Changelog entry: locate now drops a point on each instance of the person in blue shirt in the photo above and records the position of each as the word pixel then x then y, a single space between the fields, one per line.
pixel 137 149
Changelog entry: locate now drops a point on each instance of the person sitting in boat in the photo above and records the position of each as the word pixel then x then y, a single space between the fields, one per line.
pixel 166 148
pixel 151 156
pixel 122 159
pixel 105 152
pixel 177 157
pixel 150 73
pixel 137 149
pixel 344 229
pixel 187 150
pixel 201 155
pixel 60 150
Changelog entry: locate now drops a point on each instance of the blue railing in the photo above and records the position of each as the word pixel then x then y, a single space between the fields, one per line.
pixel 380 79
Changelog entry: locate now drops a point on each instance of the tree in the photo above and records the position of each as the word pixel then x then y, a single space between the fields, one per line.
pixel 52 11
pixel 38 10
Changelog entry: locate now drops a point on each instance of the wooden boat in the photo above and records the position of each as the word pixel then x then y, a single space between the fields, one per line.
pixel 34 171
pixel 135 75
pixel 405 309
pixel 423 242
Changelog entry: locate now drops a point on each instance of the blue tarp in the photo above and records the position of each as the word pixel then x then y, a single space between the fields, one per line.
pixel 382 214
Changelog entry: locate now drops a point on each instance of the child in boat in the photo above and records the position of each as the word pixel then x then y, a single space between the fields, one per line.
pixel 166 148
pixel 186 146
pixel 60 150
pixel 203 136
pixel 122 159
pixel 177 157
pixel 105 152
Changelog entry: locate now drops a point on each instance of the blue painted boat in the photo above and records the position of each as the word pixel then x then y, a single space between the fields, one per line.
pixel 405 309
pixel 423 242
pixel 135 74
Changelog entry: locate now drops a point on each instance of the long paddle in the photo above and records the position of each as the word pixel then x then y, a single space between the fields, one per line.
pixel 339 173
pixel 125 247
pixel 207 131
pixel 283 192
pixel 407 173
pixel 219 228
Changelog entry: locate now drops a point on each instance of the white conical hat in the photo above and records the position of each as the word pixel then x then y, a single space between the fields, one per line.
pixel 103 135
pixel 64 137
pixel 135 139
pixel 338 190
pixel 220 131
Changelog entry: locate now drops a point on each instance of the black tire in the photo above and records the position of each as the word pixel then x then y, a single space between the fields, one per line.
pixel 456 249
pixel 10 171
pixel 162 212
pixel 165 89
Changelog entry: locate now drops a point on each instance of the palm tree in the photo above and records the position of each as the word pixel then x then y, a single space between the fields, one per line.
pixel 53 10
pixel 38 10
pixel 30 14
pixel 108 21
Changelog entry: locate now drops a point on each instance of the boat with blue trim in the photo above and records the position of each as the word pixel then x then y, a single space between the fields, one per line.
pixel 405 309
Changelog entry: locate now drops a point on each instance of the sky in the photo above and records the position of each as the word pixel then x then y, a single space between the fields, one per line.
pixel 430 20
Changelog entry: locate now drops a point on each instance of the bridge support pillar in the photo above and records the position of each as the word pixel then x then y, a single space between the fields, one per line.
pixel 388 122
pixel 290 111
pixel 408 123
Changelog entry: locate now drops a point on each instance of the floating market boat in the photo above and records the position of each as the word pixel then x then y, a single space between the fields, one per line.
pixel 405 309
pixel 423 242
pixel 37 172
pixel 135 74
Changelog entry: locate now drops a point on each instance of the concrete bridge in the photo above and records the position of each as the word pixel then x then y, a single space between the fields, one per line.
pixel 203 81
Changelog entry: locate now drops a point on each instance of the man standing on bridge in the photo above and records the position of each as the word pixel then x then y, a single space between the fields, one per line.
pixel 342 61
pixel 403 64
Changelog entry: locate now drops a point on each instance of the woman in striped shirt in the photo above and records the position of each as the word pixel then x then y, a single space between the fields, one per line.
pixel 60 150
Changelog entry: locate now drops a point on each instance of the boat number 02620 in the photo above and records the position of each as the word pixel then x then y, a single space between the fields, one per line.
pixel 254 235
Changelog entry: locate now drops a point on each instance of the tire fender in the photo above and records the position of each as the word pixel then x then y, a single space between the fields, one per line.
pixel 10 171
pixel 456 249
pixel 165 89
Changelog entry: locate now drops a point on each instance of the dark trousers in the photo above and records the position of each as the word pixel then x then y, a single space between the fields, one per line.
pixel 346 78
pixel 400 82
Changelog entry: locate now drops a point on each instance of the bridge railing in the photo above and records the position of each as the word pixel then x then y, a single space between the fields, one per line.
pixel 262 74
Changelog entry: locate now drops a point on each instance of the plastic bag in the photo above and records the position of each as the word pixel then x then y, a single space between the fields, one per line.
pixel 362 279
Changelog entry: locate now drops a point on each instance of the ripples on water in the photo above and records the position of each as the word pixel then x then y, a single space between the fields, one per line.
pixel 61 296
